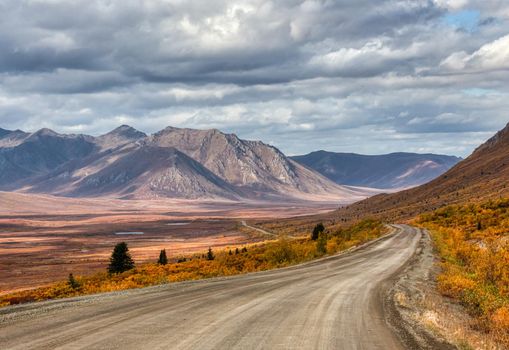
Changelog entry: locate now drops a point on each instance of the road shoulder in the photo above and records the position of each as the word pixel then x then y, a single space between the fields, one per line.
pixel 404 300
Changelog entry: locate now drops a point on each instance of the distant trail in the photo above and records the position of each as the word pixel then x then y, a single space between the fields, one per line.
pixel 331 303
pixel 244 223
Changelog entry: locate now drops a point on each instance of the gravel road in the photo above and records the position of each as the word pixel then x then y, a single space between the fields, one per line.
pixel 332 303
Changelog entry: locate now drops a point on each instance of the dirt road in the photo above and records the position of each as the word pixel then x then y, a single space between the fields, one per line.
pixel 334 303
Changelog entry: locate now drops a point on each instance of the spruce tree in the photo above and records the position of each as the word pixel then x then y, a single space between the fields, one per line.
pixel 210 254
pixel 319 228
pixel 163 259
pixel 120 260
pixel 72 282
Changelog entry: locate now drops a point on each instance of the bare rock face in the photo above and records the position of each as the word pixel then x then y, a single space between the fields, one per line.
pixel 255 167
pixel 154 172
pixel 182 163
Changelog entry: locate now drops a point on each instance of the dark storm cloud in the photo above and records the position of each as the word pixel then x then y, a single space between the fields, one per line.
pixel 277 70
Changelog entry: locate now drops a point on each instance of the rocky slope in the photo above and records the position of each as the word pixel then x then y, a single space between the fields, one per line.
pixel 252 166
pixel 388 171
pixel 181 163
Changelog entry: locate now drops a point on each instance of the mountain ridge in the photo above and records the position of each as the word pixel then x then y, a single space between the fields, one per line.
pixel 197 164
pixel 386 171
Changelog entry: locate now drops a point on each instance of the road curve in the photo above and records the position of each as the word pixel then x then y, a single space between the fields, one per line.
pixel 333 303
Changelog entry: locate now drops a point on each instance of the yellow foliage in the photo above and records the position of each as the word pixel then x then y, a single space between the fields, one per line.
pixel 500 318
pixel 474 245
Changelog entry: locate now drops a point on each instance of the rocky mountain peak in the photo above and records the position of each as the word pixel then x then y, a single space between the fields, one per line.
pixel 128 132
pixel 122 135
pixel 45 132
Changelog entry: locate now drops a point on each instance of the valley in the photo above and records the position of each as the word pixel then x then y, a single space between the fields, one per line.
pixel 44 238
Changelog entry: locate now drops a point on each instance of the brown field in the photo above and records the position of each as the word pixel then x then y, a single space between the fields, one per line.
pixel 44 238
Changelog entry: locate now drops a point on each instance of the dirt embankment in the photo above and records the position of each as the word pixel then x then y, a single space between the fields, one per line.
pixel 424 319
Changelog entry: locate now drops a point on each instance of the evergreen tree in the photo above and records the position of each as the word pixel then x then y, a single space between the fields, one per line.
pixel 120 260
pixel 319 228
pixel 244 250
pixel 230 252
pixel 210 254
pixel 236 251
pixel 163 259
pixel 321 244
pixel 72 282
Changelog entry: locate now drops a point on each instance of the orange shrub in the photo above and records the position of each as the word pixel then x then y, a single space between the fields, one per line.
pixel 473 243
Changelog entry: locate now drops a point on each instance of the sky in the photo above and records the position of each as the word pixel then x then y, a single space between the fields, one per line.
pixel 365 76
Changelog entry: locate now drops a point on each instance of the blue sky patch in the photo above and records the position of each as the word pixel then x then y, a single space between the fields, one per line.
pixel 466 19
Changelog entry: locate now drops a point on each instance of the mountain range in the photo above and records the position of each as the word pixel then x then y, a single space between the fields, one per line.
pixel 181 163
pixel 387 171
pixel 482 176
pixel 197 164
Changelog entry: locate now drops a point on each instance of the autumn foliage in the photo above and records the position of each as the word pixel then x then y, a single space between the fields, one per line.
pixel 268 255
pixel 473 241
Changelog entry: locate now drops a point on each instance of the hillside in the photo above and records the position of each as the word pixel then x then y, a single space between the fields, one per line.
pixel 483 175
pixel 387 171
pixel 24 156
pixel 254 167
pixel 173 163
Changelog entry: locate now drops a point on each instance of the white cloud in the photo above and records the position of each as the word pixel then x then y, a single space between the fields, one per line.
pixel 452 4
pixel 491 56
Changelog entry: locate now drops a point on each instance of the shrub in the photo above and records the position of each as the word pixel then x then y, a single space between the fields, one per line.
pixel 321 244
pixel 471 240
pixel 280 252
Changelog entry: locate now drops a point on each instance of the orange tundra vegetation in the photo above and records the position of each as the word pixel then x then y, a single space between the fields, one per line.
pixel 473 241
pixel 259 257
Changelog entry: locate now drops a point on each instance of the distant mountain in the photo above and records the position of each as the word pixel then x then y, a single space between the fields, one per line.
pixel 388 171
pixel 483 175
pixel 31 155
pixel 181 163
pixel 120 136
pixel 10 138
pixel 254 167
pixel 142 172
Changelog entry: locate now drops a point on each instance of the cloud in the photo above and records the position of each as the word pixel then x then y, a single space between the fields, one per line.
pixel 371 76
pixel 491 56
